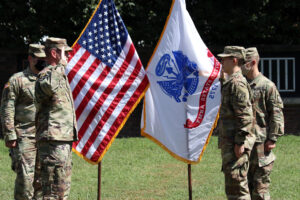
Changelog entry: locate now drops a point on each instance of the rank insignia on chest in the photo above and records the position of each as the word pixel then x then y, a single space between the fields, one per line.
pixel 42 76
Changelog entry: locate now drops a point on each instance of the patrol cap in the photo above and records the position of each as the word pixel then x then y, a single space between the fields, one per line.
pixel 251 52
pixel 37 50
pixel 59 43
pixel 233 51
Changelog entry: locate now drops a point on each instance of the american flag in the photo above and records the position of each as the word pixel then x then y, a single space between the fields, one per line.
pixel 107 80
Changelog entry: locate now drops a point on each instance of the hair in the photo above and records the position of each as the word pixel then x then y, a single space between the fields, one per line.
pixel 48 50
pixel 254 57
pixel 240 62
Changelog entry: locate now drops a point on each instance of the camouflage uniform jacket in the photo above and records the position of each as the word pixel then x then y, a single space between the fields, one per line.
pixel 269 116
pixel 268 107
pixel 236 114
pixel 55 119
pixel 17 106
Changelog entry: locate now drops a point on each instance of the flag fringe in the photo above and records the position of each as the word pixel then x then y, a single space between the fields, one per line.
pixel 143 133
pixel 123 123
pixel 74 150
pixel 84 158
pixel 116 134
pixel 209 136
pixel 127 116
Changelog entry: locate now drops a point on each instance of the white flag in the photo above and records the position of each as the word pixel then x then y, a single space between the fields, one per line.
pixel 181 106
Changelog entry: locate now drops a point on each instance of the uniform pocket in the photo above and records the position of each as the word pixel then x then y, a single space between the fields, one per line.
pixel 240 167
pixel 260 119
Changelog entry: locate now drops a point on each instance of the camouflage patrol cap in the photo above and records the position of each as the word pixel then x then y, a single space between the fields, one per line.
pixel 37 50
pixel 233 51
pixel 59 43
pixel 251 52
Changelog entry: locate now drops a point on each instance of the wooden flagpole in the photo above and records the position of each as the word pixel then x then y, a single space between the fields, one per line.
pixel 99 181
pixel 190 182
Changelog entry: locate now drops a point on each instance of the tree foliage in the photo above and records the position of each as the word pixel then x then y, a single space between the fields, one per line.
pixel 219 23
pixel 248 22
pixel 26 21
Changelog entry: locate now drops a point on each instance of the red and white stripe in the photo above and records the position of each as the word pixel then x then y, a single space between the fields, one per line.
pixel 103 96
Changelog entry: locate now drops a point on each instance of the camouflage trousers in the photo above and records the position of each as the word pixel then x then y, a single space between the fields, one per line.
pixel 259 178
pixel 56 167
pixel 235 172
pixel 26 167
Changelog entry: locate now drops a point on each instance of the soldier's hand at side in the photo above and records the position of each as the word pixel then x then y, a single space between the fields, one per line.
pixel 269 145
pixel 11 144
pixel 239 150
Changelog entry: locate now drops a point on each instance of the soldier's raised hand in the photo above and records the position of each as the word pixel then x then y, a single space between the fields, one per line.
pixel 63 58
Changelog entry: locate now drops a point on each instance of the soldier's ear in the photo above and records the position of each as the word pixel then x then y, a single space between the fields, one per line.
pixel 254 62
pixel 235 60
pixel 30 58
pixel 53 53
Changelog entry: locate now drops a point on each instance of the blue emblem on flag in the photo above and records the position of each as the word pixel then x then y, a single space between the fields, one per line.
pixel 181 77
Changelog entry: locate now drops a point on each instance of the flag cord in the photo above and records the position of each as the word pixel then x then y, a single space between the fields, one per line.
pixel 99 181
pixel 190 182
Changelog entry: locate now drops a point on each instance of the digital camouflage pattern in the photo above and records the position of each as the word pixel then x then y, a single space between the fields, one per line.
pixel 233 51
pixel 268 107
pixel 259 176
pixel 56 119
pixel 269 126
pixel 18 123
pixel 56 129
pixel 17 106
pixel 235 172
pixel 236 114
pixel 236 127
pixel 27 168
pixel 58 43
pixel 56 162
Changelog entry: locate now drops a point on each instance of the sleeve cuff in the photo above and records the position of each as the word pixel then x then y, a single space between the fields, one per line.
pixel 10 137
pixel 238 139
pixel 273 139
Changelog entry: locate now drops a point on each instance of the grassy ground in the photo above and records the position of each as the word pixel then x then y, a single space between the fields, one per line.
pixel 136 168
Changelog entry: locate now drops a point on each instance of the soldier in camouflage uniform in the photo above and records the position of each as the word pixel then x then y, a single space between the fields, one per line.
pixel 236 137
pixel 268 127
pixel 18 123
pixel 55 122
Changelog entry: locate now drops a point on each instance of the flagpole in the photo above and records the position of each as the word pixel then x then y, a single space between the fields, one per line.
pixel 190 182
pixel 99 181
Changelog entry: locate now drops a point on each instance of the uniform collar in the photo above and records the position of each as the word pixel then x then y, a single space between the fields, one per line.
pixel 234 75
pixel 59 68
pixel 29 73
pixel 255 80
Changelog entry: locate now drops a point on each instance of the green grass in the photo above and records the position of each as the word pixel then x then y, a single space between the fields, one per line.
pixel 136 168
